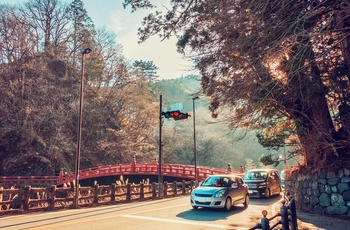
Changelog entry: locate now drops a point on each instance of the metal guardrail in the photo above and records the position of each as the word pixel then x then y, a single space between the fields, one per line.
pixel 287 214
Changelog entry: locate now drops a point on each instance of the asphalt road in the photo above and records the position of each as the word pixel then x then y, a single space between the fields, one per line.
pixel 167 214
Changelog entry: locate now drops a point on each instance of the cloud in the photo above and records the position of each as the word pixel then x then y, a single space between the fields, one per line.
pixel 125 24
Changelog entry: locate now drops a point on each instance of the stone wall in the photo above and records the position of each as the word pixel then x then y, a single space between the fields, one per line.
pixel 321 192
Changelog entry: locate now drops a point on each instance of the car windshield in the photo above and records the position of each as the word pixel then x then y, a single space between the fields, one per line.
pixel 255 175
pixel 216 181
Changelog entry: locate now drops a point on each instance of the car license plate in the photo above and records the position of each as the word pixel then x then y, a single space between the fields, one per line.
pixel 201 200
pixel 250 192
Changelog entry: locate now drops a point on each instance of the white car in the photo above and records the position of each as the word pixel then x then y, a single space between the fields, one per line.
pixel 220 191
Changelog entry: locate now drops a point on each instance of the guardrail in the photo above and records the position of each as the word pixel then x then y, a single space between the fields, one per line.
pixel 40 199
pixel 288 216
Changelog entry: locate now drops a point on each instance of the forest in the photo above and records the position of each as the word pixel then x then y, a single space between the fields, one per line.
pixel 41 63
pixel 41 60
pixel 281 66
pixel 274 78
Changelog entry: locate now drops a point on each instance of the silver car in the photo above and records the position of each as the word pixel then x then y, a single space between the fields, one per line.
pixel 220 191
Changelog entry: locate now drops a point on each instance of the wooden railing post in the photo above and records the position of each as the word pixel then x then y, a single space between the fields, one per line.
pixel 183 187
pixel 26 198
pixel 128 192
pixel 133 164
pixel 293 215
pixel 165 189
pixel 265 223
pixel 284 216
pixel 142 191
pixel 96 193
pixel 113 192
pixel 192 185
pixel 175 188
pixel 1 188
pixel 52 197
pixel 154 190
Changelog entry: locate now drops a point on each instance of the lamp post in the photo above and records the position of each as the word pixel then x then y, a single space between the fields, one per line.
pixel 77 160
pixel 194 139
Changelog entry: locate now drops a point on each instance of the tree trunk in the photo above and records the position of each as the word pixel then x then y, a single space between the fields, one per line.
pixel 308 106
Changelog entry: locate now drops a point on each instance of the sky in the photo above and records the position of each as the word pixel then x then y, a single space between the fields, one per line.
pixel 111 15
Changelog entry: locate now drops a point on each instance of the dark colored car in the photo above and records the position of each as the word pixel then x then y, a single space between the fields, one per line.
pixel 220 191
pixel 263 182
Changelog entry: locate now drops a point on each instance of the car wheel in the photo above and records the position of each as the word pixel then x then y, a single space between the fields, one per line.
pixel 195 207
pixel 267 193
pixel 228 204
pixel 246 201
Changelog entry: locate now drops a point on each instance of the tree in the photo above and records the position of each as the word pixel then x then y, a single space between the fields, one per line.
pixel 280 66
pixel 40 96
pixel 83 28
pixel 47 18
pixel 147 70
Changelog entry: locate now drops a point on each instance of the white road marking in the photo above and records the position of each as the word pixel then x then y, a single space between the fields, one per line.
pixel 179 222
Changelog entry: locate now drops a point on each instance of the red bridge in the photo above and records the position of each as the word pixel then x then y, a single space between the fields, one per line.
pixel 171 170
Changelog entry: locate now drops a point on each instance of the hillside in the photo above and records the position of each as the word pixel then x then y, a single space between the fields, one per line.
pixel 226 146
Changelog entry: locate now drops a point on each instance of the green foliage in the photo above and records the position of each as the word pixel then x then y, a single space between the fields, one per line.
pixel 146 69
pixel 269 160
pixel 263 61
pixel 274 142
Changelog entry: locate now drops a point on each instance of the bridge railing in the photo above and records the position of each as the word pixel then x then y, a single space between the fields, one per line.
pixel 173 170
pixel 28 179
pixel 39 199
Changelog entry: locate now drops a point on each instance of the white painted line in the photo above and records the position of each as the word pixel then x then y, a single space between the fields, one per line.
pixel 179 222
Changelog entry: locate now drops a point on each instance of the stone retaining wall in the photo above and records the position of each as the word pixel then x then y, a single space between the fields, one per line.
pixel 321 192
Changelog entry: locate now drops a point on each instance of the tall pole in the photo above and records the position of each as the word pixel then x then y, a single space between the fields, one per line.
pixel 160 175
pixel 77 160
pixel 194 139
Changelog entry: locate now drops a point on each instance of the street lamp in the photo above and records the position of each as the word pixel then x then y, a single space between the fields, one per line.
pixel 194 139
pixel 77 160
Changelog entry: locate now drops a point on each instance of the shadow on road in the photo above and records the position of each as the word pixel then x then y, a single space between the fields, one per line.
pixel 207 214
pixel 265 201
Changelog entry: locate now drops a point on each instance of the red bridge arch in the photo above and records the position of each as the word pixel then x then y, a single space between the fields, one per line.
pixel 173 170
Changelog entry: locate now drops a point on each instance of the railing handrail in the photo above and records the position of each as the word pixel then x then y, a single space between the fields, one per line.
pixel 288 217
pixel 32 199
